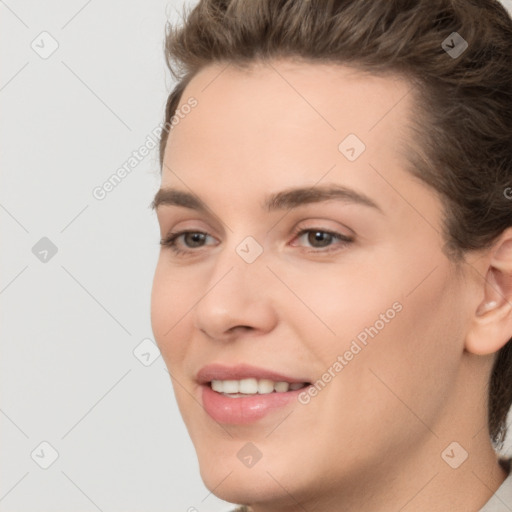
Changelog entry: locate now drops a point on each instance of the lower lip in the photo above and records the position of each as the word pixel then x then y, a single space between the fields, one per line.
pixel 244 410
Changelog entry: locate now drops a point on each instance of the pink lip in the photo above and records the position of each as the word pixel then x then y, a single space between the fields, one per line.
pixel 242 410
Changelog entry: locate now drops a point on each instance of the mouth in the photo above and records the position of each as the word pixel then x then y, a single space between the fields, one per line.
pixel 243 394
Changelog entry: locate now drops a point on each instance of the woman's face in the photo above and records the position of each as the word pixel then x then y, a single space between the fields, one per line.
pixel 352 294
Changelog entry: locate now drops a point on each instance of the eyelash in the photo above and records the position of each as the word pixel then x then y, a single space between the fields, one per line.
pixel 170 240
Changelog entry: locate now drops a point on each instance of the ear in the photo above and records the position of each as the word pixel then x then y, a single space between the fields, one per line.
pixel 491 326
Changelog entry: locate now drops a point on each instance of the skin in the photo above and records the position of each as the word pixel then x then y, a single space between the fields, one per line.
pixel 372 439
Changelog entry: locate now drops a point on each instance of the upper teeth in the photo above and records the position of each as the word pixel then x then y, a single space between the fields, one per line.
pixel 252 386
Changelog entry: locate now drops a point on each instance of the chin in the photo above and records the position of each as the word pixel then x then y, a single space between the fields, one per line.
pixel 244 487
pixel 230 480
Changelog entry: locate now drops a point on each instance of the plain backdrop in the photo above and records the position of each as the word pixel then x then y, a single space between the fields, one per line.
pixel 88 420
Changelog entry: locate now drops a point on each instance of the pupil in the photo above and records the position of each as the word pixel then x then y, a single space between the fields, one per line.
pixel 196 237
pixel 318 236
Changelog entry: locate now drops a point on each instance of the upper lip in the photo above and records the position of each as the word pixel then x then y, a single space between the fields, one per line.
pixel 241 371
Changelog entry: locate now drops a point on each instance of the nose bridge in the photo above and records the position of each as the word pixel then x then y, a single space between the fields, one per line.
pixel 234 293
pixel 240 265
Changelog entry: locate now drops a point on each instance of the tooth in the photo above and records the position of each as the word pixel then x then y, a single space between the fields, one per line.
pixel 265 386
pixel 230 386
pixel 248 386
pixel 217 385
pixel 252 386
pixel 281 387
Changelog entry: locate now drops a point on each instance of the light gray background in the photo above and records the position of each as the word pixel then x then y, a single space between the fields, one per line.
pixel 70 325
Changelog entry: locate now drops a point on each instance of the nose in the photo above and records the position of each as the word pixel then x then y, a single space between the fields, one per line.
pixel 237 298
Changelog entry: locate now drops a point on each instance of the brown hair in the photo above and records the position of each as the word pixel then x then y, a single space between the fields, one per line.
pixel 462 126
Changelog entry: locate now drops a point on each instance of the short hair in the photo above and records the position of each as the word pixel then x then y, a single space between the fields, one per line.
pixel 462 124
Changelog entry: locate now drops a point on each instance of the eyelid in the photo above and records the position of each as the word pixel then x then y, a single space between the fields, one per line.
pixel 319 225
pixel 175 216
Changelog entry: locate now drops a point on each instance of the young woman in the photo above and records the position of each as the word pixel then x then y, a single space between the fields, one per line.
pixel 333 296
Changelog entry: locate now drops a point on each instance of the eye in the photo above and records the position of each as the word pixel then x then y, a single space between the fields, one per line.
pixel 320 238
pixel 195 238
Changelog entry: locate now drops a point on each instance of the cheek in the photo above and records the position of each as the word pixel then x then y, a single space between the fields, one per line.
pixel 405 371
pixel 411 364
pixel 395 318
pixel 333 304
pixel 169 306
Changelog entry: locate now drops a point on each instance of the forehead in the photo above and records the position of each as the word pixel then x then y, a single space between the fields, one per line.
pixel 283 121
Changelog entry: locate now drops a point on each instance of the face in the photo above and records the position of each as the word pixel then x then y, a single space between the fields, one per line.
pixel 343 287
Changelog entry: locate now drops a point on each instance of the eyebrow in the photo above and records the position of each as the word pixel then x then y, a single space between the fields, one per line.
pixel 286 199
